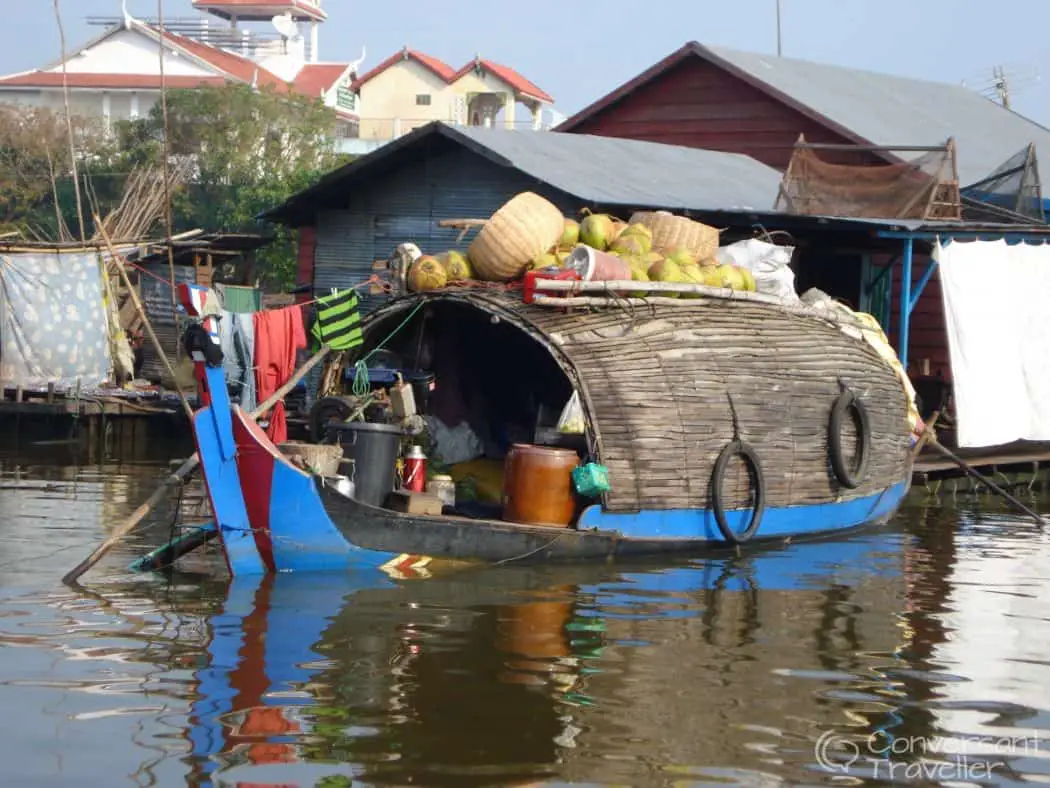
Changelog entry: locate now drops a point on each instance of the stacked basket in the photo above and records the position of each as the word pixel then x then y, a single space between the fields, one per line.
pixel 516 235
pixel 672 232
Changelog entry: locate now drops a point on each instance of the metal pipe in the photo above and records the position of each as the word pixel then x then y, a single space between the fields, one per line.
pixel 905 302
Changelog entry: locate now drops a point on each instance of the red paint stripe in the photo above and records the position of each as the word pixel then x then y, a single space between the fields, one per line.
pixel 255 466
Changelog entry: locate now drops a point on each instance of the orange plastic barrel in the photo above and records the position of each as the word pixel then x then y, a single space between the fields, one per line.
pixel 537 485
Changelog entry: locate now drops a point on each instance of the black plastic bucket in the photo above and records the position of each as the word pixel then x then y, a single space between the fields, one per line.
pixel 374 449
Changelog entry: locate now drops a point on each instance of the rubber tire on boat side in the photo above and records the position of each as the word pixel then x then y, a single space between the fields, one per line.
pixel 846 403
pixel 731 450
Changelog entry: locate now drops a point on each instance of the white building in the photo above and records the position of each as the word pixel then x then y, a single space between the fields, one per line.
pixel 117 75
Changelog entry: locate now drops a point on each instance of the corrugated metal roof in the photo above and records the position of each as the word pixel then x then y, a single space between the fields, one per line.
pixel 615 171
pixel 597 170
pixel 890 110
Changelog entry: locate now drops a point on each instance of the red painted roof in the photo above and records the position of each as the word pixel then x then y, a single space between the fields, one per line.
pixel 449 75
pixel 510 76
pixel 230 7
pixel 51 79
pixel 318 78
pixel 432 64
pixel 237 66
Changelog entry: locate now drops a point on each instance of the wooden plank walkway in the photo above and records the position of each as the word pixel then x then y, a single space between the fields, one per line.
pixel 932 462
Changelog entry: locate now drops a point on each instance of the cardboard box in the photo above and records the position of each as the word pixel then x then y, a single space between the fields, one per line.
pixel 414 502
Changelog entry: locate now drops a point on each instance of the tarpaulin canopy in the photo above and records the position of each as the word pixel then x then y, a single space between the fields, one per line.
pixel 52 320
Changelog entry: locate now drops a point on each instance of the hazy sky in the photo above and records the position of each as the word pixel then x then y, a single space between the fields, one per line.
pixel 578 51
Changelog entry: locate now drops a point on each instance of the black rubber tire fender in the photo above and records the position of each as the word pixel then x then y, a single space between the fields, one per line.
pixel 731 450
pixel 848 403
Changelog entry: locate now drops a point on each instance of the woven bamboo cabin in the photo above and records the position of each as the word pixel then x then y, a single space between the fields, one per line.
pixel 665 390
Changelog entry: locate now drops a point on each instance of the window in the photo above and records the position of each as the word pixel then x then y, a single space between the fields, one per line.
pixel 423 100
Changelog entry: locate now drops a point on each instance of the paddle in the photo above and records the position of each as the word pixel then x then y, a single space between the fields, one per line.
pixel 183 471
pixel 932 441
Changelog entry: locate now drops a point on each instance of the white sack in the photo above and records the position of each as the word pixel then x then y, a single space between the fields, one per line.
pixel 769 264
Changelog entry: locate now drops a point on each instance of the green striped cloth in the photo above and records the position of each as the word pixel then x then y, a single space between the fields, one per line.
pixel 338 322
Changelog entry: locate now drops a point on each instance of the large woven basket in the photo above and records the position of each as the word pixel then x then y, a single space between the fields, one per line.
pixel 525 227
pixel 672 232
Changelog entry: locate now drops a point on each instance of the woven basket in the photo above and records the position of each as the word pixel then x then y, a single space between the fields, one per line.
pixel 322 458
pixel 672 232
pixel 519 232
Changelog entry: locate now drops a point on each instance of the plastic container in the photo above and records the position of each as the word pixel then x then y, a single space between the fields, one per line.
pixel 444 488
pixel 415 469
pixel 537 485
pixel 374 449
pixel 595 266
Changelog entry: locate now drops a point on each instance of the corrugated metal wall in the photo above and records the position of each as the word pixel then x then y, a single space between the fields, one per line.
pixel 405 205
pixel 156 298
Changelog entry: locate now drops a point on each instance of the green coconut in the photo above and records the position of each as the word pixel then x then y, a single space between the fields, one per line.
pixel 681 257
pixel 666 271
pixel 730 276
pixel 692 274
pixel 749 280
pixel 457 267
pixel 426 273
pixel 639 273
pixel 548 260
pixel 596 231
pixel 628 244
pixel 570 234
pixel 642 233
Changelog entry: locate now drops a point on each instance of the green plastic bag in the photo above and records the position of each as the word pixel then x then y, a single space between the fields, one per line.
pixel 591 480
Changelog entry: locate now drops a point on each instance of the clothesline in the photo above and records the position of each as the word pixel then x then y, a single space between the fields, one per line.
pixel 373 279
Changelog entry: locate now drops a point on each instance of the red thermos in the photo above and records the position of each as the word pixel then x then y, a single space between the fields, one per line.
pixel 415 469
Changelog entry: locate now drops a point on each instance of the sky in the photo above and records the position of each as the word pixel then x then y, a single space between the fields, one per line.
pixel 579 51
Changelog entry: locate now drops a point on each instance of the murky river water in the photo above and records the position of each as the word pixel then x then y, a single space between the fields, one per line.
pixel 917 654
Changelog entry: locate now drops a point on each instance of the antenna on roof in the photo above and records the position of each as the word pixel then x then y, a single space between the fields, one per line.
pixel 780 50
pixel 285 25
pixel 1005 82
pixel 125 14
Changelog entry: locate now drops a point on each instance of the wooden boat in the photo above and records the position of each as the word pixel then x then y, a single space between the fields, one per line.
pixel 672 393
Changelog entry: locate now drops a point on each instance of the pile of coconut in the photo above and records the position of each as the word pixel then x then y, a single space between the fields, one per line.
pixel 632 241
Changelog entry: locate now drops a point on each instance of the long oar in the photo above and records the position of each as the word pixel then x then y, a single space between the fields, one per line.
pixel 971 471
pixel 184 470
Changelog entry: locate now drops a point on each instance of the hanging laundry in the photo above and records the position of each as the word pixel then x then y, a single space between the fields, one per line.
pixel 243 300
pixel 279 334
pixel 338 321
pixel 237 335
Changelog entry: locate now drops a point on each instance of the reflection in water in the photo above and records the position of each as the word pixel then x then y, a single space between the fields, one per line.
pixel 728 670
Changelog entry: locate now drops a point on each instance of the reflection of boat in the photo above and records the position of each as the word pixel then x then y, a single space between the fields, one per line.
pixel 487 676
pixel 275 517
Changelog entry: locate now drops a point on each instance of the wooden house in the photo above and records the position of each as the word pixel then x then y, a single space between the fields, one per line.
pixel 760 105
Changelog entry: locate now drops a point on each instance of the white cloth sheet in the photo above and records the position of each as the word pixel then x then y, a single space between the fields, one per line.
pixel 997 310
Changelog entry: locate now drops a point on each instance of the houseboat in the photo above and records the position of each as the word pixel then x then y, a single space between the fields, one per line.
pixel 706 422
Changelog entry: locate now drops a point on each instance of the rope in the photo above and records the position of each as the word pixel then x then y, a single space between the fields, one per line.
pixel 362 384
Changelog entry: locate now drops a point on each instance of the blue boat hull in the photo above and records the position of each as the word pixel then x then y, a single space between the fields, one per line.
pixel 304 525
pixel 273 517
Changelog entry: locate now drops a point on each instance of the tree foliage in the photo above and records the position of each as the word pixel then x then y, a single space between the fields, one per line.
pixel 251 149
pixel 36 167
pixel 248 150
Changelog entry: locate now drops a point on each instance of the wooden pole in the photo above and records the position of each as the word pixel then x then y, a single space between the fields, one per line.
pixel 183 471
pixel 971 471
pixel 142 313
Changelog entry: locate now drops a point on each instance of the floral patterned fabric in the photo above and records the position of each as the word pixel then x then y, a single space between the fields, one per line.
pixel 52 321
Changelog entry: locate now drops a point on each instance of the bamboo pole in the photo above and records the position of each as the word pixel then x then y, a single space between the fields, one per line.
pixel 142 313
pixel 971 471
pixel 183 471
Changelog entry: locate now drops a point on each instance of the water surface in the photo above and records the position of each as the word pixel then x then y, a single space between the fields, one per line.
pixel 914 654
